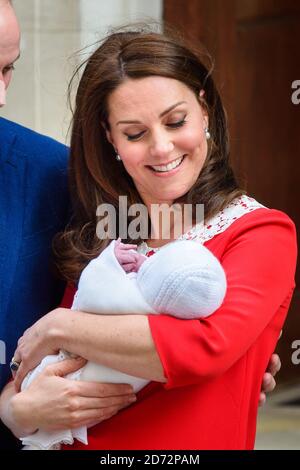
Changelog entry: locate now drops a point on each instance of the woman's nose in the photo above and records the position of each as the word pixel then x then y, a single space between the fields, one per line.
pixel 2 93
pixel 161 146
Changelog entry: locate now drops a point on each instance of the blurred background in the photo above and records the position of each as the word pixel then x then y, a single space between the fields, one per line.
pixel 255 45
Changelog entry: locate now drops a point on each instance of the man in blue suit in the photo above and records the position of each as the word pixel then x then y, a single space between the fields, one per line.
pixel 33 207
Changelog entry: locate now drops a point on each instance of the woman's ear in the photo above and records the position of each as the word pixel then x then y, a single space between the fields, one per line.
pixel 205 118
pixel 109 137
pixel 107 133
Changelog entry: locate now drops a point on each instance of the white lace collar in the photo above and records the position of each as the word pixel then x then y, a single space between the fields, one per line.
pixel 218 224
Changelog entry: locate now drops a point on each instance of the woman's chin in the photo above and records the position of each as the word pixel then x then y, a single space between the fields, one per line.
pixel 168 198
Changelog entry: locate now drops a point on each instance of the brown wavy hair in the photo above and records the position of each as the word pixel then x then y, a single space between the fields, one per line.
pixel 95 175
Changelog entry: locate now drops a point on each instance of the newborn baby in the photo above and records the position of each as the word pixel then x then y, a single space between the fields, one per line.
pixel 182 279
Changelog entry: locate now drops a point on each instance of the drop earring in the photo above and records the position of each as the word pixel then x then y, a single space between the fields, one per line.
pixel 207 133
pixel 118 157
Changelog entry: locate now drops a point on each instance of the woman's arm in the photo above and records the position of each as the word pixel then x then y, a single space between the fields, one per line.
pixel 86 342
pixel 122 342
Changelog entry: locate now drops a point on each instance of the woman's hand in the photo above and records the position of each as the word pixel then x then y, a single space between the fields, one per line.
pixel 37 342
pixel 52 402
pixel 268 383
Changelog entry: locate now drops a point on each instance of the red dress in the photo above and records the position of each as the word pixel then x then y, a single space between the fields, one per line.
pixel 214 366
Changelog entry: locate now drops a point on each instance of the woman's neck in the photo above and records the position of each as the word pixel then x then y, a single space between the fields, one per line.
pixel 156 243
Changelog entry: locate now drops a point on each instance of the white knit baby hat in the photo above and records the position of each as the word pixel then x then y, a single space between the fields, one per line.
pixel 183 279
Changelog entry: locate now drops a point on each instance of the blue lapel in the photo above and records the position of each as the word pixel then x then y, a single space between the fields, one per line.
pixel 12 202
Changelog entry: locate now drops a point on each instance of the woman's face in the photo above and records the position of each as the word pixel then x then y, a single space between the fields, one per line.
pixel 157 127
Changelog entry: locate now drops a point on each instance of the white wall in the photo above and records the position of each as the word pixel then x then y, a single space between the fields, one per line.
pixel 52 31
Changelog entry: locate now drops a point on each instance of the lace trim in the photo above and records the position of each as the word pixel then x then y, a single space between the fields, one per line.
pixel 218 224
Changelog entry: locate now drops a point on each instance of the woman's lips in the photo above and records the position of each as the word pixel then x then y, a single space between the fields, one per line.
pixel 169 172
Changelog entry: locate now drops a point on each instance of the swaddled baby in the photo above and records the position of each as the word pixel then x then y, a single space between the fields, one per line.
pixel 182 279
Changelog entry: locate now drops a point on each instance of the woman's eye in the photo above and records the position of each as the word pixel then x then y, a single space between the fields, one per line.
pixel 174 125
pixel 135 136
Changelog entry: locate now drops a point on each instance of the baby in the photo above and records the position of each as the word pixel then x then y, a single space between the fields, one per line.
pixel 182 279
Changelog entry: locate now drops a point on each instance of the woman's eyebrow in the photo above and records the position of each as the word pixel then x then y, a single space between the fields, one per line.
pixel 161 114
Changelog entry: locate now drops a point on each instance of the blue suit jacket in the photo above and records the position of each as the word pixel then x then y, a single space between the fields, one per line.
pixel 34 206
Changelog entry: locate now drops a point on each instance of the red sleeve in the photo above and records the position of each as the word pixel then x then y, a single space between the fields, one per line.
pixel 259 261
pixel 68 297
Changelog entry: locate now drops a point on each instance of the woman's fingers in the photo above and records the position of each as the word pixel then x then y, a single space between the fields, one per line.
pixel 268 382
pixel 90 411
pixel 113 412
pixel 65 367
pixel 262 399
pixel 90 403
pixel 20 375
pixel 268 385
pixel 274 365
pixel 101 390
pixel 92 394
pixel 76 403
pixel 88 417
pixel 60 369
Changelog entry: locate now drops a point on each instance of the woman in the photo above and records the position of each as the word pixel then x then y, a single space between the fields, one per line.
pixel 149 124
